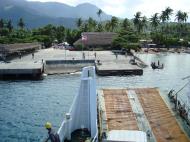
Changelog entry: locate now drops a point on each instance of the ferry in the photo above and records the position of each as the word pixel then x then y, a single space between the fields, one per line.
pixel 119 115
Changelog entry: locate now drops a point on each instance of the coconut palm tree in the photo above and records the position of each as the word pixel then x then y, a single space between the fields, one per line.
pixel 10 26
pixel 144 23
pixel 1 23
pixel 60 34
pixel 94 24
pixel 168 13
pixel 91 24
pixel 99 28
pixel 107 26
pixel 85 27
pixel 125 24
pixel 21 23
pixel 185 17
pixel 113 23
pixel 165 16
pixel 155 21
pixel 137 21
pixel 181 18
pixel 99 13
pixel 79 23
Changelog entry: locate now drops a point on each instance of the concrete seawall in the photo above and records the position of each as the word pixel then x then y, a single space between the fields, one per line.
pixel 66 66
pixel 21 70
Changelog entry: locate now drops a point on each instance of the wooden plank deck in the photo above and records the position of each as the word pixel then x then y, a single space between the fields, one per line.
pixel 121 116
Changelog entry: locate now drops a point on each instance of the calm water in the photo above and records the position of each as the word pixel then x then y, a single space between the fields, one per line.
pixel 26 105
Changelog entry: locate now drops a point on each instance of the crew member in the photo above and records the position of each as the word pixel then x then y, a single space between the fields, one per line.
pixel 52 136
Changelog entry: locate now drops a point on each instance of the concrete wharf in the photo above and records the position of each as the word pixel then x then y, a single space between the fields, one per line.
pixel 141 109
pixel 65 61
pixel 66 66
pixel 117 67
pixel 23 70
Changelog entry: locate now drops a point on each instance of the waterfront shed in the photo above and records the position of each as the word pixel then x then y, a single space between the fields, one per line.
pixel 13 49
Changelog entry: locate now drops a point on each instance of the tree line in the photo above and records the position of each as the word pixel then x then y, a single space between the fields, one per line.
pixel 158 27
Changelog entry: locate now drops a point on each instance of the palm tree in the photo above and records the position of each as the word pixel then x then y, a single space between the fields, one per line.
pixel 168 13
pixel 99 13
pixel 99 28
pixel 91 24
pixel 107 26
pixel 85 27
pixel 181 18
pixel 9 25
pixel 155 21
pixel 185 16
pixel 21 23
pixel 1 23
pixel 125 24
pixel 113 23
pixel 60 34
pixel 144 23
pixel 137 21
pixel 79 22
pixel 165 16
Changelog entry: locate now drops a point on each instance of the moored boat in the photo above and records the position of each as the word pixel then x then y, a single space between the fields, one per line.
pixel 158 66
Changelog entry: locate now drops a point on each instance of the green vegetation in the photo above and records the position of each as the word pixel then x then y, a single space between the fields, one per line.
pixel 46 35
pixel 158 27
pixel 126 39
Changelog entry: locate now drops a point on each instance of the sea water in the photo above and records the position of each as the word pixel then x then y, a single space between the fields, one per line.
pixel 25 106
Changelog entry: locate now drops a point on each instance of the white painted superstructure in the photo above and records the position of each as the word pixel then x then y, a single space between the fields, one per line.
pixel 126 136
pixel 83 112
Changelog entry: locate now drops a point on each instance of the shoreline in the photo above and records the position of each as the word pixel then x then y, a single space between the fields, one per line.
pixel 58 61
pixel 165 50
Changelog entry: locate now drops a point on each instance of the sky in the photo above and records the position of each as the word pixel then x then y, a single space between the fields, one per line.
pixel 127 8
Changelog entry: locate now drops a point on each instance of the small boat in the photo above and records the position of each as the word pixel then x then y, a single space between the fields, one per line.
pixel 154 66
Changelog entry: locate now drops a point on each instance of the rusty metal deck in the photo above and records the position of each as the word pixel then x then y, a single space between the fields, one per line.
pixel 162 122
pixel 118 110
pixel 120 114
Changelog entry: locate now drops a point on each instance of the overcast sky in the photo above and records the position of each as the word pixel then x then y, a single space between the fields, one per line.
pixel 127 8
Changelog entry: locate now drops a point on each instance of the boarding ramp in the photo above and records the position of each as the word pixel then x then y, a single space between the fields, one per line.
pixel 83 112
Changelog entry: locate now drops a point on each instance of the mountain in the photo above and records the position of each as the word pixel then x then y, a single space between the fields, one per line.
pixel 33 20
pixel 37 14
pixel 54 9
pixel 87 10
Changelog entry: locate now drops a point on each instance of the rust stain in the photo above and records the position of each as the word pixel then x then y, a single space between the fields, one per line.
pixel 118 110
pixel 121 117
pixel 162 122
